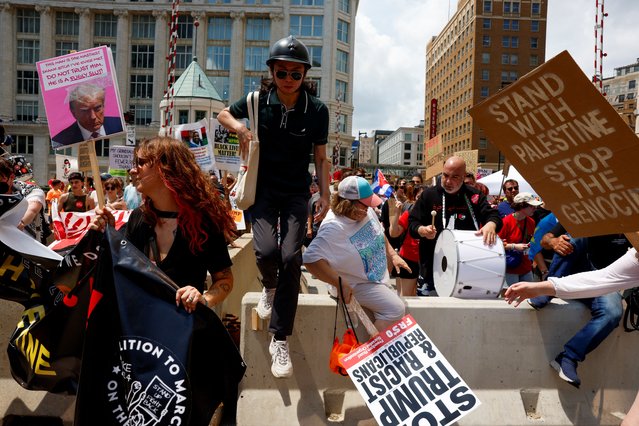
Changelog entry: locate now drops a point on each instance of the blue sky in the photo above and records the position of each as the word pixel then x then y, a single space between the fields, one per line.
pixel 390 46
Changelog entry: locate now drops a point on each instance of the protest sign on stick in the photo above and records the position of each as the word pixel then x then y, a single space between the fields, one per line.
pixel 406 380
pixel 80 95
pixel 570 144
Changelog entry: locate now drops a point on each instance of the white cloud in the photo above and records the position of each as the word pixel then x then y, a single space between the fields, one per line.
pixel 391 38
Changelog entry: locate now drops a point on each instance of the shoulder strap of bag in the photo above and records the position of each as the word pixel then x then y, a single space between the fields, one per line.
pixel 252 102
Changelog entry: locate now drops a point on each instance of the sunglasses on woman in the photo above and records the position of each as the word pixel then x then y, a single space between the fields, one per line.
pixel 295 75
pixel 109 188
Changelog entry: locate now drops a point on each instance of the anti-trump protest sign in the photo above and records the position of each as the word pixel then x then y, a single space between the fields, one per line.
pixel 405 379
pixel 80 95
pixel 120 159
pixel 570 145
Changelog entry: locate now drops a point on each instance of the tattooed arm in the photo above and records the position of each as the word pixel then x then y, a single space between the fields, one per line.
pixel 220 288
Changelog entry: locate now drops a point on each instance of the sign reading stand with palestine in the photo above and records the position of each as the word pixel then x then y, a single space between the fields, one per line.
pixel 405 379
pixel 570 144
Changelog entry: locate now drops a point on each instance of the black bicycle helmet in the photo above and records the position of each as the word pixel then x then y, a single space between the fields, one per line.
pixel 289 49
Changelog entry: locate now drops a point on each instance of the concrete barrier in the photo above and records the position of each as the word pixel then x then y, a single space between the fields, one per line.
pixel 502 353
pixel 15 400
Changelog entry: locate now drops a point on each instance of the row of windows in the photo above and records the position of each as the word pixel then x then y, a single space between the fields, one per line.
pixel 510 41
pixel 512 7
pixel 343 5
pixel 506 76
pixel 23 144
pixel 510 25
pixel 142 57
pixel 143 26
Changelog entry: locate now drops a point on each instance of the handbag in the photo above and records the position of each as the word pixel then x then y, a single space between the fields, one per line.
pixel 349 339
pixel 242 194
pixel 513 258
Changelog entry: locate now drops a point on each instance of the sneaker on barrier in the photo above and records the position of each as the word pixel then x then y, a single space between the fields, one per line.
pixel 282 366
pixel 265 305
pixel 567 369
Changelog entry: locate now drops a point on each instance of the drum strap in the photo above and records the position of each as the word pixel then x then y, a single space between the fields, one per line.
pixel 470 208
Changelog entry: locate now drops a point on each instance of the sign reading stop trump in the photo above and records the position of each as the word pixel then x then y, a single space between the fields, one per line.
pixel 405 379
pixel 570 144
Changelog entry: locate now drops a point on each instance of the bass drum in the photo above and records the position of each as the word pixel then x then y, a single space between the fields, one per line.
pixel 465 267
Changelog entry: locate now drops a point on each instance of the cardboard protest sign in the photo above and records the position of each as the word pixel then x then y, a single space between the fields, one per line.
pixel 80 95
pixel 84 158
pixel 570 145
pixel 434 151
pixel 470 157
pixel 120 160
pixel 405 379
pixel 225 147
pixel 196 136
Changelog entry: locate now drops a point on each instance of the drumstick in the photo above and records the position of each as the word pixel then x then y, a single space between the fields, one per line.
pixel 433 213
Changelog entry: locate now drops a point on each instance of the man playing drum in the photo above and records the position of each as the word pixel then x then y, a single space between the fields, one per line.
pixel 457 206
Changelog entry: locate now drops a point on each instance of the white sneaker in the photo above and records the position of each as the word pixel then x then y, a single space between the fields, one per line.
pixel 282 366
pixel 265 305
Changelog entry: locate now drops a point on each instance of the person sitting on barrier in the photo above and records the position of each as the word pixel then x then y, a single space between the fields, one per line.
pixel 518 229
pixel 182 226
pixel 583 255
pixel 620 275
pixel 457 206
pixel 350 244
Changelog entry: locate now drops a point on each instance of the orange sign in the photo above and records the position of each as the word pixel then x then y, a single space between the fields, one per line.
pixel 570 144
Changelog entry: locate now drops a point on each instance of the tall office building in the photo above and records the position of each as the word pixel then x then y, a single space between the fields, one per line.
pixel 621 91
pixel 232 44
pixel 485 46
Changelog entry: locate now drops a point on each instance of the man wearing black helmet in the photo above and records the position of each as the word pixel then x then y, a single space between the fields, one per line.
pixel 293 123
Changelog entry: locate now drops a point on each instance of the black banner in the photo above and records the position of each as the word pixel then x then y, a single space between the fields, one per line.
pixel 147 361
pixel 45 349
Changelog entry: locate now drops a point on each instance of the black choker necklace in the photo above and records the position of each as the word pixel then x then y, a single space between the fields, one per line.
pixel 165 215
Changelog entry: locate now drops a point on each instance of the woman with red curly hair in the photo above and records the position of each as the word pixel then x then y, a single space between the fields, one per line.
pixel 182 224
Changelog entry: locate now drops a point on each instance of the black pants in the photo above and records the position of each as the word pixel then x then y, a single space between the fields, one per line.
pixel 279 260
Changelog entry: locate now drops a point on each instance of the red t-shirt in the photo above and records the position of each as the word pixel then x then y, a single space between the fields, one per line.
pixel 410 248
pixel 511 233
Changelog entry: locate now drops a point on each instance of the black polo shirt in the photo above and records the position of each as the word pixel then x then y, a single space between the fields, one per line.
pixel 286 139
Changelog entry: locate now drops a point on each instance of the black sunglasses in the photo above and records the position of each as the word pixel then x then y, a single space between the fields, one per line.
pixel 513 188
pixel 295 75
pixel 140 162
pixel 108 188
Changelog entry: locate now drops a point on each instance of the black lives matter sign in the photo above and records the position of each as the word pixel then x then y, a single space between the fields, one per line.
pixel 570 144
pixel 405 380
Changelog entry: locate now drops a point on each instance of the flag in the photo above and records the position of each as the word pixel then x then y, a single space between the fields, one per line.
pixel 145 360
pixel 380 185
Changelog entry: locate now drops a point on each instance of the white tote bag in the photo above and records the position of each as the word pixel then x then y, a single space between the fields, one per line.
pixel 243 192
